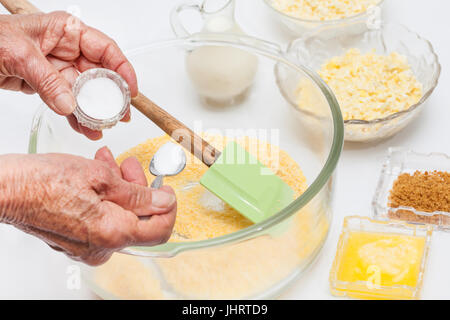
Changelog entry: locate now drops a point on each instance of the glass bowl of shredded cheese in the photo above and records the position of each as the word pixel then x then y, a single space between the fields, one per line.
pixel 381 77
pixel 301 16
pixel 214 252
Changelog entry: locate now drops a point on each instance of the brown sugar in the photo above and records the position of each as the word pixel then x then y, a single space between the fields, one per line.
pixel 423 191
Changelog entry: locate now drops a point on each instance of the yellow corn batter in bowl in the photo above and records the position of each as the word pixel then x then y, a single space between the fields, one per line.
pixel 201 215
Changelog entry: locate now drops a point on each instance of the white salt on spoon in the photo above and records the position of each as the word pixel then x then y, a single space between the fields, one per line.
pixel 169 160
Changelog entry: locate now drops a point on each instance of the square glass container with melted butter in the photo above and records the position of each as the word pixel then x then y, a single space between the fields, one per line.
pixel 380 260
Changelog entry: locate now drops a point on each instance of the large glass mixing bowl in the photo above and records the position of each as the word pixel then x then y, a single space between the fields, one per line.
pixel 258 261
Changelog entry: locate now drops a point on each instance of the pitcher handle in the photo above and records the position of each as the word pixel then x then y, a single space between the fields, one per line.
pixel 175 21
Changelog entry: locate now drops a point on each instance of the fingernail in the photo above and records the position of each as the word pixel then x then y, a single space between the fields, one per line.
pixel 65 103
pixel 162 199
pixel 126 118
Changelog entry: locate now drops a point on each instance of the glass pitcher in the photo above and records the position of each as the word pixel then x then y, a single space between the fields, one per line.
pixel 222 75
pixel 218 16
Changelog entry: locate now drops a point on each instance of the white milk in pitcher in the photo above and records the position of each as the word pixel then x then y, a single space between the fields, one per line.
pixel 221 73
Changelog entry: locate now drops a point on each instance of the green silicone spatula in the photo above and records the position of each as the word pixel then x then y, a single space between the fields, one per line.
pixel 243 182
pixel 235 176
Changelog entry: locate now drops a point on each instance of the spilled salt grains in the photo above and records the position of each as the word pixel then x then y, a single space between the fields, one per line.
pixel 426 192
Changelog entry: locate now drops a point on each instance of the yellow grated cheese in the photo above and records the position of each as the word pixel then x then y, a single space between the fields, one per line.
pixel 369 86
pixel 323 9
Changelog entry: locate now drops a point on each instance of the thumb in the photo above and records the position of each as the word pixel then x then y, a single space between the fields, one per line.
pixel 143 201
pixel 46 80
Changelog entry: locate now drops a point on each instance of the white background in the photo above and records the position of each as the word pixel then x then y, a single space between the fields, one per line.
pixel 30 269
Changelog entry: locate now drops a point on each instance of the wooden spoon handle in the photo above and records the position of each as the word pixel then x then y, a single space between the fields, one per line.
pixel 177 130
pixel 19 6
pixel 174 128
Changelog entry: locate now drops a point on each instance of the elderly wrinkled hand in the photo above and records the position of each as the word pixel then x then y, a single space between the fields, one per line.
pixel 44 53
pixel 86 208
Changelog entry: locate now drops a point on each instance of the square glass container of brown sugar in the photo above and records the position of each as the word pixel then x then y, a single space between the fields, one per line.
pixel 414 187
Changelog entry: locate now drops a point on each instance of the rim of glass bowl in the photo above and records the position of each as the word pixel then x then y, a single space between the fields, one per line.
pixel 322 22
pixel 273 52
pixel 437 67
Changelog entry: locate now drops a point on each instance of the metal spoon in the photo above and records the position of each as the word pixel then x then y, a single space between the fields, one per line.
pixel 169 160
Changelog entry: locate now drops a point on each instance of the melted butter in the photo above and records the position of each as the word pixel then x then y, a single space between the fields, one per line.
pixel 382 259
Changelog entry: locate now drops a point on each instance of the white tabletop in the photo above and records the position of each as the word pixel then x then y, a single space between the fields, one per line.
pixel 29 269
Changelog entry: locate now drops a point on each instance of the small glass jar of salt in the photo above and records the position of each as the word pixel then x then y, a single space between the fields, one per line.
pixel 103 98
